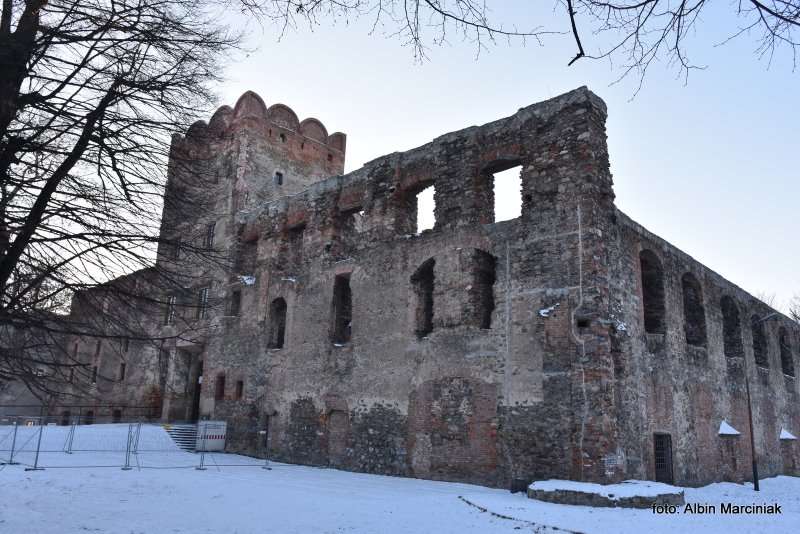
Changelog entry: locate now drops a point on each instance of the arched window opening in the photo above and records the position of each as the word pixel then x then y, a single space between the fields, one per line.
pixel 219 387
pixel 652 292
pixel 759 341
pixel 277 323
pixel 694 314
pixel 787 364
pixel 731 328
pixel 423 282
pixel 342 309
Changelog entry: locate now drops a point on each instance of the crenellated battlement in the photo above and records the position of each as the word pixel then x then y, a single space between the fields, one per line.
pixel 304 140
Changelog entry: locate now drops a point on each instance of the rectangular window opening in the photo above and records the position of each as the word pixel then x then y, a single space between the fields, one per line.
pixel 202 303
pixel 508 194
pixel 425 209
pixel 239 389
pixel 208 242
pixel 122 371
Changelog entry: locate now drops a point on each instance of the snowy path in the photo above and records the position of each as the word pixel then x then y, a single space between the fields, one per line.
pixel 296 499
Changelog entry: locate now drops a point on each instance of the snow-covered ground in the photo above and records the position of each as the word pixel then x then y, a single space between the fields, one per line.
pixel 295 499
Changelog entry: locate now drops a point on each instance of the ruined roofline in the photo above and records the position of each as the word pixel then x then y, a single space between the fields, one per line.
pixel 251 107
pixel 542 111
pixel 665 246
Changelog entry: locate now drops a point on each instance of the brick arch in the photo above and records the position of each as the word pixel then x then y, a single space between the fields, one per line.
pixel 314 129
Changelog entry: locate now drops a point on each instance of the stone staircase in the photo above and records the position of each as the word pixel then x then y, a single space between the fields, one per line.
pixel 185 436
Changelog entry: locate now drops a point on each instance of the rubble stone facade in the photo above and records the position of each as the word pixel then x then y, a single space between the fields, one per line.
pixel 566 343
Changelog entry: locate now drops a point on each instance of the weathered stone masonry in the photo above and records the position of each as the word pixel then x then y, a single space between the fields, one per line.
pixel 476 351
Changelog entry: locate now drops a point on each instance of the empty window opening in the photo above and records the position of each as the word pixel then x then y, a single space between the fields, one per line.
pixel 295 238
pixel 116 416
pixel 75 351
pixel 694 314
pixel 235 302
pixel 342 309
pixel 219 387
pixel 89 418
pixel 731 328
pixel 352 220
pixel 277 323
pixel 169 315
pixel 425 207
pixel 759 341
pixel 485 277
pixel 582 323
pixel 239 389
pixel 202 303
pixel 787 364
pixel 662 449
pixel 208 240
pixel 423 281
pixel 507 194
pixel 278 178
pixel 122 368
pixel 65 416
pixel 652 292
pixel 282 137
pixel 330 157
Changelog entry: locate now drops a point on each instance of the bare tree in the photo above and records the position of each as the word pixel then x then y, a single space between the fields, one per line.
pixel 794 308
pixel 634 33
pixel 90 94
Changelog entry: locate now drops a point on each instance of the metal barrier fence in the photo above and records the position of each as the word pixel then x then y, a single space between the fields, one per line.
pixel 45 442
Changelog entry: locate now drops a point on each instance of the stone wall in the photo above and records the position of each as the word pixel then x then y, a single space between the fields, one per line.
pixel 476 351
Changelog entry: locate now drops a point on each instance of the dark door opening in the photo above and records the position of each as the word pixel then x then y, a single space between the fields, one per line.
pixel 194 414
pixel 662 447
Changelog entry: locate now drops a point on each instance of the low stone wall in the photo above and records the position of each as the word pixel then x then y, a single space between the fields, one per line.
pixel 593 499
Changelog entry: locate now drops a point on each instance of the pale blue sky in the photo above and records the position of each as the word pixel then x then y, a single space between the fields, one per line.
pixel 710 166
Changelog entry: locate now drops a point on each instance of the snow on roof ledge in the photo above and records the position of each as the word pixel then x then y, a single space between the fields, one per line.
pixel 786 435
pixel 727 430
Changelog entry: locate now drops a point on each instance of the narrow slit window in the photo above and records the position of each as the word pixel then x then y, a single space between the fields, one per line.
pixel 208 240
pixel 219 387
pixel 122 367
pixel 202 303
pixel 425 209
pixel 277 323
pixel 485 277
pixel 278 178
pixel 169 315
pixel 507 194
pixel 423 283
pixel 342 309
pixel 235 303
pixel 787 364
pixel 239 389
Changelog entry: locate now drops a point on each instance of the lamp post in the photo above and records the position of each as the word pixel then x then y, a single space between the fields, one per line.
pixel 750 409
